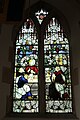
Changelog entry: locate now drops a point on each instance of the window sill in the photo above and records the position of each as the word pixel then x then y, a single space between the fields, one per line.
pixel 14 116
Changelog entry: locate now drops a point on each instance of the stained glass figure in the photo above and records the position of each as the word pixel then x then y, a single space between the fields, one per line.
pixel 25 97
pixel 57 69
pixel 41 14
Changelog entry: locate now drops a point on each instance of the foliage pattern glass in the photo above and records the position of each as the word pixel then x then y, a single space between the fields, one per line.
pixel 25 97
pixel 57 69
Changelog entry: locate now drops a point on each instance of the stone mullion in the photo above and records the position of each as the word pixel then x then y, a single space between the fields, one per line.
pixel 41 74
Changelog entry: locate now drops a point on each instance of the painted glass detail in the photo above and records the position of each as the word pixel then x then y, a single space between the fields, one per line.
pixel 41 14
pixel 57 69
pixel 25 94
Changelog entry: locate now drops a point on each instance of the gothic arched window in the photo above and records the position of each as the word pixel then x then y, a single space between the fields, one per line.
pixel 42 81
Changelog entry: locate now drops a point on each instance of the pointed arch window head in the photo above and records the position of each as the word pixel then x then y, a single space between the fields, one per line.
pixel 56 63
pixel 41 14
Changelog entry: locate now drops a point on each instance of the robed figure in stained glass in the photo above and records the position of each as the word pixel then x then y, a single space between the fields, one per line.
pixel 57 86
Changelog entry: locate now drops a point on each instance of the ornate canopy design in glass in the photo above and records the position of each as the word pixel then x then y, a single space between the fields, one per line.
pixel 58 95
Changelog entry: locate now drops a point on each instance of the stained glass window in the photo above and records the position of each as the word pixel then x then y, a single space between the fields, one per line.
pixel 58 94
pixel 25 97
pixel 41 14
pixel 57 69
